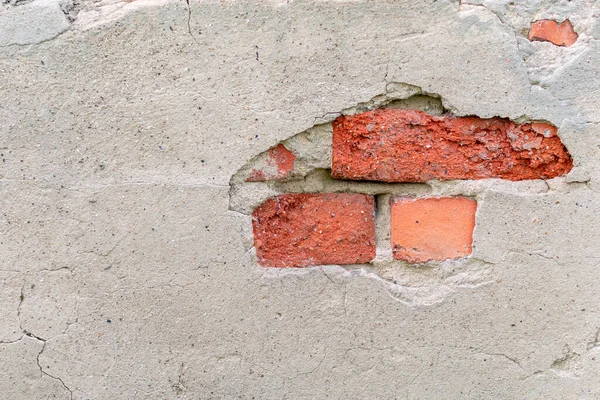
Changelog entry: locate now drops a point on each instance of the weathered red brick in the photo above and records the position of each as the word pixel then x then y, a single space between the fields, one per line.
pixel 299 230
pixel 278 164
pixel 546 30
pixel 432 229
pixel 394 145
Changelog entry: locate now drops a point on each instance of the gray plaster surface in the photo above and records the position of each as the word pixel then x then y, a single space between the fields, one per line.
pixel 31 23
pixel 127 269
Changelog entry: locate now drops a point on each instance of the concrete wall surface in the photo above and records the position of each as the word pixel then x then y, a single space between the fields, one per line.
pixel 127 260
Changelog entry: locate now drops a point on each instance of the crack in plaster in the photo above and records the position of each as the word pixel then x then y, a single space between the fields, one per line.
pixel 189 18
pixel 36 43
pixel 47 373
pixel 21 299
pixel 42 371
pixel 568 366
pixel 504 23
pixel 512 359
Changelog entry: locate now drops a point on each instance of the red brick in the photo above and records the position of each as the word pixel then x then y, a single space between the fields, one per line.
pixel 278 164
pixel 432 229
pixel 394 145
pixel 547 30
pixel 299 230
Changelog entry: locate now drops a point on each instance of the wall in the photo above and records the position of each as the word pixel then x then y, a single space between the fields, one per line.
pixel 129 260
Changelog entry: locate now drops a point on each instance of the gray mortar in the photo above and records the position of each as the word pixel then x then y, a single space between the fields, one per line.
pixel 383 227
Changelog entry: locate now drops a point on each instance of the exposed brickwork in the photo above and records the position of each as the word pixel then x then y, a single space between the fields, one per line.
pixel 395 145
pixel 299 230
pixel 278 164
pixel 546 30
pixel 432 229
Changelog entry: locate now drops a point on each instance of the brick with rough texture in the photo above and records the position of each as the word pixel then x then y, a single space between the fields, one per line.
pixel 395 145
pixel 278 163
pixel 547 30
pixel 299 230
pixel 432 229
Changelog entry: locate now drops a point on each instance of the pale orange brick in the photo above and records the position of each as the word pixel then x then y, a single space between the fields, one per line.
pixel 432 229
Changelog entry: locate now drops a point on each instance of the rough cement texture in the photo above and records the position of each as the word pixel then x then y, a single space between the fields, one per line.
pixel 127 268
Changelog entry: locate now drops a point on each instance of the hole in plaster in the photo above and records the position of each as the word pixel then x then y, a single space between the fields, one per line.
pixel 415 284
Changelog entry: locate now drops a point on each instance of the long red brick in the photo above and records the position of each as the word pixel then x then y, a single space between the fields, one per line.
pixel 395 145
pixel 299 230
